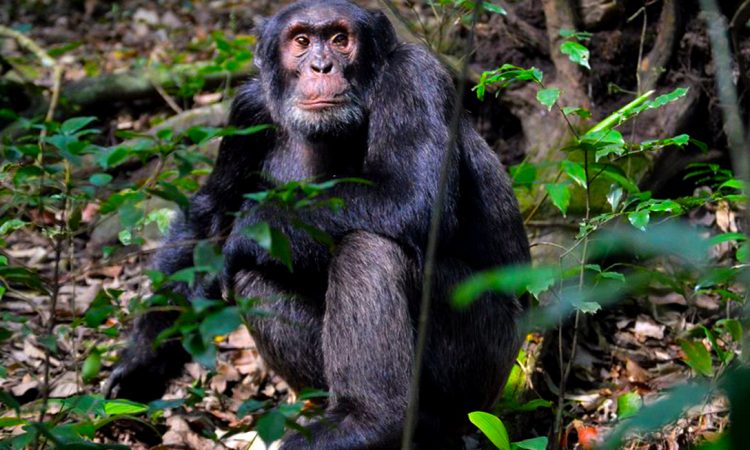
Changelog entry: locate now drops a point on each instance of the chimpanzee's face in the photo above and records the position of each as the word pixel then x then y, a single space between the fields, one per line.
pixel 318 50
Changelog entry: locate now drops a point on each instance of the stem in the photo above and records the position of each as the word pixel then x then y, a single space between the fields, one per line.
pixel 565 369
pixel 412 411
pixel 51 324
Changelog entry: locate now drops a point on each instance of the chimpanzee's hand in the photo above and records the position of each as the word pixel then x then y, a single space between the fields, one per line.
pixel 144 373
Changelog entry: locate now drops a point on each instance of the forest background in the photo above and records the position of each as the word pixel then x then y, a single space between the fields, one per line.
pixel 623 123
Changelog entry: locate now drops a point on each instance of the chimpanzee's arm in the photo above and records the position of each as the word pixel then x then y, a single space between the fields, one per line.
pixel 410 109
pixel 144 371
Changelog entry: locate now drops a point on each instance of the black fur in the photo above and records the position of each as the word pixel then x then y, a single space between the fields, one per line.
pixel 346 321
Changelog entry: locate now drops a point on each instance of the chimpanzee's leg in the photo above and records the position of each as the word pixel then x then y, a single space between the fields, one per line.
pixel 367 347
pixel 287 328
pixel 469 355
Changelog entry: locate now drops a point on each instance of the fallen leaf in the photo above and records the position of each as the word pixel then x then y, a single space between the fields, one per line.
pixel 64 386
pixel 646 327
pixel 635 373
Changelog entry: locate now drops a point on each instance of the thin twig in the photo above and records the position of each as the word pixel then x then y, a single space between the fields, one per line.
pixel 49 329
pixel 153 57
pixel 412 411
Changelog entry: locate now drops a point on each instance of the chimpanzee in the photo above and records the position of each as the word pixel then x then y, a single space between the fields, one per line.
pixel 348 100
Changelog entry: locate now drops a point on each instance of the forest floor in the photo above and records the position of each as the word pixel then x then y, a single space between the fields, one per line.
pixel 633 347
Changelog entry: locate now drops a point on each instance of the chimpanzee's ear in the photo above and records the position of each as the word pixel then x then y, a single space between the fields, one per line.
pixel 259 27
pixel 384 32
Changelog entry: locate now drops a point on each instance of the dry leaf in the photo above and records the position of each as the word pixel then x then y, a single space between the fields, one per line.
pixel 646 327
pixel 64 386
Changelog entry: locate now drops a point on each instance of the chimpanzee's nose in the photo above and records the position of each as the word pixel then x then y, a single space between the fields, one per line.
pixel 321 65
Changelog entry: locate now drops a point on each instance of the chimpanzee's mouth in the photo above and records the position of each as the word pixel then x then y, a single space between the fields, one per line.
pixel 318 104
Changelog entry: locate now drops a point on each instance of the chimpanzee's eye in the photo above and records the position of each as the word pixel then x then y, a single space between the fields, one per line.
pixel 302 40
pixel 340 40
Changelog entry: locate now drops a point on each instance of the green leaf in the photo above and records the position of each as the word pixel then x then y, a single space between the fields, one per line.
pixel 10 422
pixel 743 253
pixel 121 407
pixel 548 97
pixel 575 171
pixel 491 7
pixel 640 219
pixel 309 393
pixel 492 427
pixel 664 99
pixel 62 49
pixel 260 233
pixel 612 276
pixel 162 217
pixel 678 141
pixel 130 214
pixel 697 357
pixel 100 179
pixel 579 35
pixel 510 280
pixel 560 196
pixel 733 184
pixel 505 76
pixel 726 237
pixel 514 386
pixel 577 53
pixel 281 249
pixel 616 174
pixel 316 233
pixel 733 327
pixel 24 174
pixel 587 307
pixel 628 405
pixel 273 240
pixel 10 401
pixel 523 175
pixel 5 334
pixel 70 126
pixel 207 257
pixel 290 410
pixel 203 353
pixel 533 405
pixel 249 407
pixel 270 426
pixel 91 366
pixel 222 322
pixel 202 305
pixel 100 308
pixel 583 113
pixel 111 157
pixel 165 134
pixel 186 275
pixel 604 143
pixel 537 443
pixel 724 357
pixel 170 192
pixel 614 196
pixel 11 225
